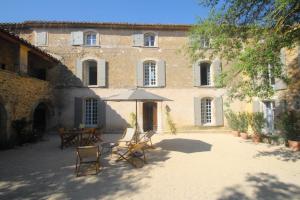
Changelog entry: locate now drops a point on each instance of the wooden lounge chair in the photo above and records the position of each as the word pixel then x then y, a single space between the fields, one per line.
pixel 67 138
pixel 88 137
pixel 89 155
pixel 128 137
pixel 146 137
pixel 133 151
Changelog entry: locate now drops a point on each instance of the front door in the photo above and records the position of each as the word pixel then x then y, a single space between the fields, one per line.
pixel 269 116
pixel 150 116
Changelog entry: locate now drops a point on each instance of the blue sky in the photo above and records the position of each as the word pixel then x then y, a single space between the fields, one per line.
pixel 132 11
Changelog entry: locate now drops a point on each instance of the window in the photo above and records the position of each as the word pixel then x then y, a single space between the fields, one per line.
pixel 204 42
pixel 149 40
pixel 150 73
pixel 205 73
pixel 90 72
pixel 205 111
pixel 91 111
pixel 90 39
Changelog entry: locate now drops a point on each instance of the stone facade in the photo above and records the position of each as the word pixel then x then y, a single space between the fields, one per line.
pixel 115 45
pixel 20 93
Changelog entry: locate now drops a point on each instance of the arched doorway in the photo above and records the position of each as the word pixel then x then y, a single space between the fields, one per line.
pixel 3 124
pixel 149 116
pixel 39 123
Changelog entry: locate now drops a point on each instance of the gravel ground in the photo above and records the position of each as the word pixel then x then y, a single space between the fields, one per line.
pixel 185 166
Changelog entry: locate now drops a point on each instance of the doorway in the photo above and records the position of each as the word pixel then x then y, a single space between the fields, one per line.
pixel 40 118
pixel 3 123
pixel 150 116
pixel 269 116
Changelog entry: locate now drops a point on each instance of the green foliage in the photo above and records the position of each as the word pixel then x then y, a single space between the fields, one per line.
pixel 288 122
pixel 256 121
pixel 132 119
pixel 232 120
pixel 242 118
pixel 171 124
pixel 250 36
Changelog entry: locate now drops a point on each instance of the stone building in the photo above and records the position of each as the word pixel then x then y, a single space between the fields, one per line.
pixel 103 59
pixel 25 90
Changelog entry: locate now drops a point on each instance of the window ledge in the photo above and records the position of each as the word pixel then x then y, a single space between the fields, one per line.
pixel 91 46
pixel 206 86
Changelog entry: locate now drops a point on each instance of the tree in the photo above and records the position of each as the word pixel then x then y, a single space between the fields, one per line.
pixel 249 35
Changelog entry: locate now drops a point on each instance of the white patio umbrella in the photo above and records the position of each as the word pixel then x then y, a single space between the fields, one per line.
pixel 137 95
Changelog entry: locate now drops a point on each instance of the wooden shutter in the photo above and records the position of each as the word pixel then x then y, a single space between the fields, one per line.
pixel 78 105
pixel 101 113
pixel 101 73
pixel 217 69
pixel 78 70
pixel 140 74
pixel 41 38
pixel 219 111
pixel 197 111
pixel 161 69
pixel 138 39
pixel 256 106
pixel 280 84
pixel 77 38
pixel 197 75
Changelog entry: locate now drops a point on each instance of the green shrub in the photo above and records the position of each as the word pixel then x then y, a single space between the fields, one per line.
pixel 257 122
pixel 132 120
pixel 171 124
pixel 288 123
pixel 232 120
pixel 242 119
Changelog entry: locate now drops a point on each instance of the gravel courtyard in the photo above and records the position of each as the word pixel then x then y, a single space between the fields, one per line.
pixel 184 166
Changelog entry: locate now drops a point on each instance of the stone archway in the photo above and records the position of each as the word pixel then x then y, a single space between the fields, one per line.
pixel 41 116
pixel 3 125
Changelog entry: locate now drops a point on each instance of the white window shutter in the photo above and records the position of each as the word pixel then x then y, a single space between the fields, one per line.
pixel 140 74
pixel 197 75
pixel 79 70
pixel 217 70
pixel 197 111
pixel 41 38
pixel 219 119
pixel 101 73
pixel 161 69
pixel 78 111
pixel 77 38
pixel 138 39
pixel 156 40
pixel 280 84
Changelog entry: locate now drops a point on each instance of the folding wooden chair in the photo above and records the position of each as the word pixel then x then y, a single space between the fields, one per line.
pixel 89 155
pixel 67 138
pixel 147 138
pixel 133 151
pixel 128 137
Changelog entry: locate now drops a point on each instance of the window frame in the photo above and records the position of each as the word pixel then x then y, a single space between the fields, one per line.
pixel 147 38
pixel 150 84
pixel 91 112
pixel 206 111
pixel 85 38
pixel 204 42
pixel 86 72
pixel 208 73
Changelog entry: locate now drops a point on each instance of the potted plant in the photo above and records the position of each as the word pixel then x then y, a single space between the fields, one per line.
pixel 288 123
pixel 232 120
pixel 243 124
pixel 256 122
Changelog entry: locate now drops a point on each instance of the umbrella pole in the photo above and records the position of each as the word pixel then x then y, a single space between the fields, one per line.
pixel 136 123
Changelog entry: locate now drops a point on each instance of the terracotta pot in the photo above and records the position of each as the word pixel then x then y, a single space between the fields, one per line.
pixel 256 138
pixel 244 136
pixel 236 133
pixel 294 145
